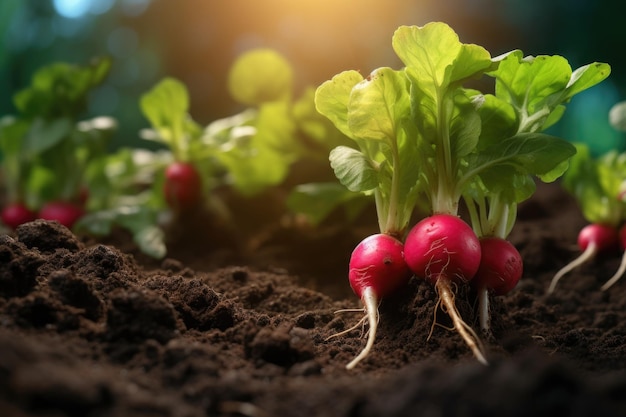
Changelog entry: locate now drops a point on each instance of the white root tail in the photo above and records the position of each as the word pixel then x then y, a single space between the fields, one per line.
pixel 370 301
pixel 617 276
pixel 483 311
pixel 467 333
pixel 587 254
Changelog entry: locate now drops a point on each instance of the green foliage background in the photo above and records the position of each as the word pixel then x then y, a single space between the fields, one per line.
pixel 196 41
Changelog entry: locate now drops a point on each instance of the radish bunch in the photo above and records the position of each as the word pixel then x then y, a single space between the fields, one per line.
pixel 422 138
pixel 443 250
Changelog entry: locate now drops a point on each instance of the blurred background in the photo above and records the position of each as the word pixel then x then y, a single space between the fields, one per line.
pixel 196 41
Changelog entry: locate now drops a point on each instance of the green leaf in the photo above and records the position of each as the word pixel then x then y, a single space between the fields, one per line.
pixel 353 169
pixel 151 241
pixel 435 58
pixel 465 127
pixel 526 154
pixel 332 97
pixel 256 147
pixel 140 221
pixel 166 107
pixel 276 130
pixel 498 119
pixel 12 132
pixel 377 104
pixel 537 87
pixel 596 184
pixel 259 76
pixel 586 77
pixel 251 166
pixel 44 135
pixel 60 89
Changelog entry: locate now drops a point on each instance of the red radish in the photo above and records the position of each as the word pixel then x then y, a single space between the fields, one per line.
pixel 183 186
pixel 622 266
pixel 501 268
pixel 592 239
pixel 64 212
pixel 16 214
pixel 377 268
pixel 442 244
pixel 444 250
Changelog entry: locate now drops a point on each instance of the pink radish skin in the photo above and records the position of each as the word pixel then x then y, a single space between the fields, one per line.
pixel 64 212
pixel 16 214
pixel 501 266
pixel 183 186
pixel 442 243
pixel 377 268
pixel 622 266
pixel 500 270
pixel 444 250
pixel 592 239
pixel 378 263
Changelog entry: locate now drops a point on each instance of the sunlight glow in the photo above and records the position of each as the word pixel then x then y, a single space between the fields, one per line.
pixel 76 9
pixel 72 9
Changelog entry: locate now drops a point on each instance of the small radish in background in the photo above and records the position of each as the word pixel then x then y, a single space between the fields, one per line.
pixel 445 251
pixel 377 269
pixel 592 239
pixel 182 187
pixel 64 212
pixel 501 268
pixel 16 214
pixel 622 266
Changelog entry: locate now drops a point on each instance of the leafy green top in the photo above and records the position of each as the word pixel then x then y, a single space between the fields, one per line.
pixel 45 148
pixel 420 131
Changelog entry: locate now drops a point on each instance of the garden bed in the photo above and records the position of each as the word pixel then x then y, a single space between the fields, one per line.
pixel 94 328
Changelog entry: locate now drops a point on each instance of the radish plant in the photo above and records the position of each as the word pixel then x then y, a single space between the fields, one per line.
pixel 377 269
pixel 422 133
pixel 597 184
pixel 47 149
pixel 166 106
pixel 373 112
pixel 530 96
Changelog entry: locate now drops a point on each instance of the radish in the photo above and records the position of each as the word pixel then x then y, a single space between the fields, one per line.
pixel 501 268
pixel 622 266
pixel 64 212
pixel 444 250
pixel 183 186
pixel 16 214
pixel 592 239
pixel 377 268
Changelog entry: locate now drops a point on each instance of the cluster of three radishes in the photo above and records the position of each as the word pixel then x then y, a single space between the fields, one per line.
pixel 442 249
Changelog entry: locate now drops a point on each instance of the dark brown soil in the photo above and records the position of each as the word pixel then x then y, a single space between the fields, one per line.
pixel 93 328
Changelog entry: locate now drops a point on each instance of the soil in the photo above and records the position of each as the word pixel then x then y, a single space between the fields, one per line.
pixel 93 328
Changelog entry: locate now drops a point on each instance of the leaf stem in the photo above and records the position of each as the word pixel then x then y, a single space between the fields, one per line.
pixel 392 227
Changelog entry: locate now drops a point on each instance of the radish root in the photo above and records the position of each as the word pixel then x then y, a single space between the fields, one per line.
pixel 483 311
pixel 359 323
pixel 617 276
pixel 585 256
pixel 370 301
pixel 446 296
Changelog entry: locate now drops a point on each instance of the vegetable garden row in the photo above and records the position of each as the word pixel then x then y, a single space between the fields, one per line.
pixel 446 148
